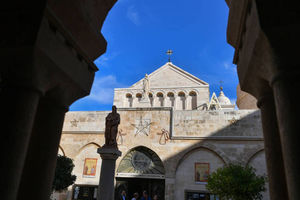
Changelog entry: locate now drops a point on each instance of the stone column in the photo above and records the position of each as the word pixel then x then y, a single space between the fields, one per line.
pixel 274 160
pixel 178 103
pixel 18 108
pixel 169 188
pixel 41 156
pixel 175 102
pixel 106 187
pixel 285 89
pixel 188 102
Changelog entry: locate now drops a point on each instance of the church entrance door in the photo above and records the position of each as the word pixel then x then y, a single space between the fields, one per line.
pixel 141 169
pixel 132 185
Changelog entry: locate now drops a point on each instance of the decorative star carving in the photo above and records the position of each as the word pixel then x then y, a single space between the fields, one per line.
pixel 74 123
pixel 232 121
pixel 142 127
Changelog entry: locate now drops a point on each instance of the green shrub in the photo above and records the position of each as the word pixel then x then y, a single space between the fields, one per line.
pixel 63 173
pixel 236 182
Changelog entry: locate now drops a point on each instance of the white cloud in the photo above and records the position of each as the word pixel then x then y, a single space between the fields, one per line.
pixel 133 15
pixel 226 65
pixel 104 60
pixel 103 89
pixel 229 66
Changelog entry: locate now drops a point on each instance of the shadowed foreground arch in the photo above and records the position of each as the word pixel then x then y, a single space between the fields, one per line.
pixel 52 50
pixel 38 86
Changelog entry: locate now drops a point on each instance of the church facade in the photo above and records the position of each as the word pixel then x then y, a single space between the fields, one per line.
pixel 172 135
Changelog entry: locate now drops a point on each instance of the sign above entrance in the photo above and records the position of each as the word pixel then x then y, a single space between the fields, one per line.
pixel 135 175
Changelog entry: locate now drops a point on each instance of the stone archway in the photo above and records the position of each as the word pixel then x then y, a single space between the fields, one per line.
pixel 141 169
pixel 187 182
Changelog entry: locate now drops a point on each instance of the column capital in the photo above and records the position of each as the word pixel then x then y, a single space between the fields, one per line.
pixel 265 99
pixel 109 153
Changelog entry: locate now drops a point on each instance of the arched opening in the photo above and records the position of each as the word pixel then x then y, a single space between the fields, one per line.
pixel 171 98
pixel 193 99
pixel 193 169
pixel 61 151
pixel 181 101
pixel 87 164
pixel 128 100
pixel 160 97
pixel 151 99
pixel 87 169
pixel 141 169
pixel 138 96
pixel 258 162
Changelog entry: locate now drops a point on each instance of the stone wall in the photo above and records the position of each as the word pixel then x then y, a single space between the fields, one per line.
pixel 256 162
pixel 203 124
pixel 185 173
pixel 179 138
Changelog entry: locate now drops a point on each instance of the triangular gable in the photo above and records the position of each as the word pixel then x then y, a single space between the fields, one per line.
pixel 169 75
pixel 214 103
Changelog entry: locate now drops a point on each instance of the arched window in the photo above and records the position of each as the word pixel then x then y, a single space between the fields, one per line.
pixel 139 96
pixel 160 98
pixel 171 98
pixel 129 100
pixel 193 96
pixel 182 100
pixel 151 99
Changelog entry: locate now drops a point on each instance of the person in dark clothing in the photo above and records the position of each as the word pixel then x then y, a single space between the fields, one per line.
pixel 123 195
pixel 145 196
pixel 135 196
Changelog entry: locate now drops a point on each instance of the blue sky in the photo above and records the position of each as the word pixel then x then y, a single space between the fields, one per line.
pixel 139 32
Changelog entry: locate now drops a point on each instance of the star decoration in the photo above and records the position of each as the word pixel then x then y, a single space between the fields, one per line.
pixel 142 127
pixel 74 123
pixel 232 121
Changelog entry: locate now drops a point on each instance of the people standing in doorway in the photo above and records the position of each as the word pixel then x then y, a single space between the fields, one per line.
pixel 145 196
pixel 123 195
pixel 155 197
pixel 135 196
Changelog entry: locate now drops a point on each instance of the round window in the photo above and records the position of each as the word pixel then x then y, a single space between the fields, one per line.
pixel 140 161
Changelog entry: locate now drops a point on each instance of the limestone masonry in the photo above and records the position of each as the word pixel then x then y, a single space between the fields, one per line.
pixel 172 135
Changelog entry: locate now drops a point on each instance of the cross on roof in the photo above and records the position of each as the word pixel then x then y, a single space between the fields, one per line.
pixel 169 52
pixel 221 85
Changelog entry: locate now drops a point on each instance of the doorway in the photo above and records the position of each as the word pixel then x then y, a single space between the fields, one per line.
pixel 199 195
pixel 84 192
pixel 132 185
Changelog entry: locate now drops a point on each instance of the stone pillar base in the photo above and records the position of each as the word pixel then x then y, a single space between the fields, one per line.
pixel 106 188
